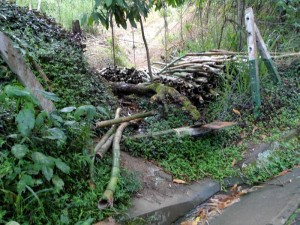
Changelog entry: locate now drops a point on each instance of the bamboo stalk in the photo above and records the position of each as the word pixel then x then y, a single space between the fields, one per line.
pixel 104 141
pixel 108 195
pixel 125 119
pixel 108 133
pixel 104 148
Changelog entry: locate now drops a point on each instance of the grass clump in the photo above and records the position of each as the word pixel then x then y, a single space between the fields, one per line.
pixel 285 157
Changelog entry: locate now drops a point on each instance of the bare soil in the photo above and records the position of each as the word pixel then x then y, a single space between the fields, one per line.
pixel 99 52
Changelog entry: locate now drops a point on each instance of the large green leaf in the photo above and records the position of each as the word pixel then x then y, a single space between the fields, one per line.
pixel 12 223
pixel 58 182
pixel 17 92
pixel 47 172
pixel 68 109
pixel 25 180
pixel 56 134
pixel 108 2
pixel 88 111
pixel 49 95
pixel 42 159
pixel 25 120
pixel 19 151
pixel 62 166
pixel 40 119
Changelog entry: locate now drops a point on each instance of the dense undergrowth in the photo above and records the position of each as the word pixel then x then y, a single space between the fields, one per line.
pixel 216 155
pixel 45 160
pixel 45 157
pixel 57 51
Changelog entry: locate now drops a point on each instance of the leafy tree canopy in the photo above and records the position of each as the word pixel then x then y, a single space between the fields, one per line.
pixel 126 10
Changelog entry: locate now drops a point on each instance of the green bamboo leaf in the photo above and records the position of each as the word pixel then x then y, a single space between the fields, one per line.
pixel 62 166
pixel 49 95
pixel 25 120
pixel 58 182
pixel 19 151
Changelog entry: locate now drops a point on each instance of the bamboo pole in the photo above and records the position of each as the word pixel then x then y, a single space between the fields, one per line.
pixel 108 195
pixel 109 132
pixel 125 119
pixel 104 148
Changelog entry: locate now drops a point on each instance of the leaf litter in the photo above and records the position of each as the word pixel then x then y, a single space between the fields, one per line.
pixel 215 205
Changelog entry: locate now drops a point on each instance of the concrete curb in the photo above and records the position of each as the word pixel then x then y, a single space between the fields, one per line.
pixel 172 208
pixel 166 210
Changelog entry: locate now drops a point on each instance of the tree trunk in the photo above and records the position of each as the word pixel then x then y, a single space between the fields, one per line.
pixel 208 11
pixel 30 5
pixel 166 31
pixel 147 49
pixel 59 11
pixel 39 5
pixel 163 93
pixel 133 46
pixel 76 27
pixel 223 26
pixel 181 23
pixel 113 37
pixel 240 22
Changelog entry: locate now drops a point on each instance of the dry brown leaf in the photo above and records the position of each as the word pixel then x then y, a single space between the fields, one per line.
pixel 263 136
pixel 237 112
pixel 108 221
pixel 189 223
pixel 240 143
pixel 233 162
pixel 178 181
pixel 92 184
pixel 234 187
pixel 243 134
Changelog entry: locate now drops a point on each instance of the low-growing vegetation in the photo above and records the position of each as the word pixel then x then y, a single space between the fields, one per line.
pixel 46 158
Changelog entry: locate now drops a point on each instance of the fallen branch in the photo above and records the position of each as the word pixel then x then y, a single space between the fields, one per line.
pixel 189 131
pixel 108 195
pixel 125 119
pixel 162 93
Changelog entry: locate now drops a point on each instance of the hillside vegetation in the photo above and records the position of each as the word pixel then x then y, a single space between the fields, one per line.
pixel 48 172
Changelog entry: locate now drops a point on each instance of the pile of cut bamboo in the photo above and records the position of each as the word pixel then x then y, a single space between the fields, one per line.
pixel 128 75
pixel 194 75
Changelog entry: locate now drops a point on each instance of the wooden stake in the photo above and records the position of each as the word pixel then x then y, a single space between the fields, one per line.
pixel 266 56
pixel 253 64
